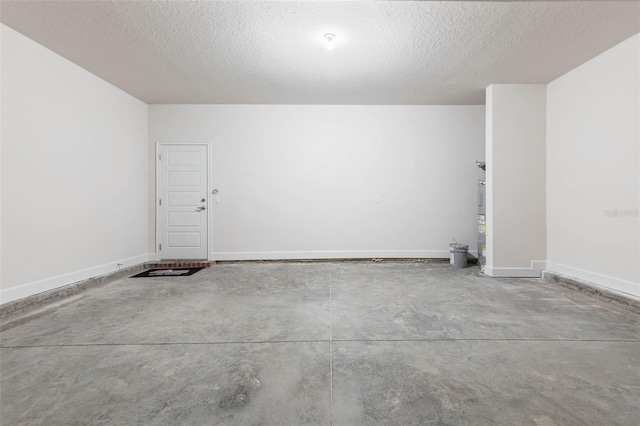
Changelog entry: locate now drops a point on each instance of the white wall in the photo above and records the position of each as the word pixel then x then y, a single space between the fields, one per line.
pixel 516 201
pixel 300 181
pixel 593 183
pixel 1 32
pixel 74 172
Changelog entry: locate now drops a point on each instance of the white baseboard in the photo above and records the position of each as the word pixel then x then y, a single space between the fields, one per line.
pixel 29 289
pixel 535 271
pixel 342 254
pixel 601 280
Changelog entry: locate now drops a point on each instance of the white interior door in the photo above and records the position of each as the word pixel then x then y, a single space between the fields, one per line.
pixel 183 201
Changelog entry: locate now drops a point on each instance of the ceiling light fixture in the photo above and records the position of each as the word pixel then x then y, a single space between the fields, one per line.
pixel 329 40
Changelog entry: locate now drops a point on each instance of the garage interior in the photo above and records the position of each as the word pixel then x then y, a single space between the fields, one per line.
pixel 336 146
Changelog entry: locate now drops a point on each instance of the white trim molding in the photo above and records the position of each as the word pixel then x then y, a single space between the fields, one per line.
pixel 329 254
pixel 535 271
pixel 29 289
pixel 595 278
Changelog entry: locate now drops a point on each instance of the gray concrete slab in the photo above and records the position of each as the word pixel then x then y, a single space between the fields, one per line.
pixel 230 384
pixel 486 383
pixel 227 303
pixel 379 301
pixel 266 344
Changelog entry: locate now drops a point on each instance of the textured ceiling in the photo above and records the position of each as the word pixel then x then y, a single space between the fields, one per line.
pixel 258 52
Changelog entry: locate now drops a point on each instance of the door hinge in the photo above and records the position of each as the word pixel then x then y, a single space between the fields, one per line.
pixel 160 202
pixel 160 247
pixel 159 157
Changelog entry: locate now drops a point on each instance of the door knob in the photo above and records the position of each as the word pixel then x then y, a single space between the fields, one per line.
pixel 199 209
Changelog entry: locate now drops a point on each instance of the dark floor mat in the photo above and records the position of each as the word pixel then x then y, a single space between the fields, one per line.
pixel 167 272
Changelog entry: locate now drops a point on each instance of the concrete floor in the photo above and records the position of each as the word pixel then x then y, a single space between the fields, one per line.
pixel 355 343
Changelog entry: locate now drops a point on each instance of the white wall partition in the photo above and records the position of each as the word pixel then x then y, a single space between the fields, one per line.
pixel 74 172
pixel 334 181
pixel 516 201
pixel 593 179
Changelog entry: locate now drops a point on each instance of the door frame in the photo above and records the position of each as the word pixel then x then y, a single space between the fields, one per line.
pixel 209 215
